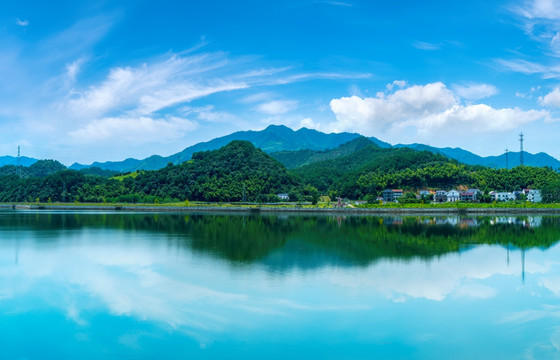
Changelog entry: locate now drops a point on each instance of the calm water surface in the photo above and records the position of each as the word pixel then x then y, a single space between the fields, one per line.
pixel 176 286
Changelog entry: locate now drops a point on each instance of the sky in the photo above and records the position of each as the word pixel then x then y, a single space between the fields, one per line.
pixel 108 80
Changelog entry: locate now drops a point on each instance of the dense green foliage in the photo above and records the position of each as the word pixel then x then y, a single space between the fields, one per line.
pixel 99 172
pixel 370 170
pixel 294 159
pixel 551 192
pixel 241 172
pixel 341 174
pixel 452 175
pixel 237 171
pixel 40 168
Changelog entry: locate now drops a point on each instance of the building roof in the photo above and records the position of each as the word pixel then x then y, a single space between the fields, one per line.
pixel 470 192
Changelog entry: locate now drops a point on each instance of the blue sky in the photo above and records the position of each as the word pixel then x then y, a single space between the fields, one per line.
pixel 106 80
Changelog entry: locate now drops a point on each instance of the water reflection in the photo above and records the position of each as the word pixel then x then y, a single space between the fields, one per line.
pixel 342 240
pixel 165 285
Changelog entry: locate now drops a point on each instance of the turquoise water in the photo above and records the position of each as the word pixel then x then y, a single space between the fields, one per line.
pixel 176 286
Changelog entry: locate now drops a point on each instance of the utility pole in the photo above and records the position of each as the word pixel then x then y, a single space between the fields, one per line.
pixel 521 149
pixel 18 162
pixel 507 159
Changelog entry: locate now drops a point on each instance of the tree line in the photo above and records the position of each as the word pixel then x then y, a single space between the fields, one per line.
pixel 241 172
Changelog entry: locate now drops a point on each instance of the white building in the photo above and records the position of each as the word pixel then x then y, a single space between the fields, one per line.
pixel 502 196
pixel 534 196
pixel 453 195
pixel 283 196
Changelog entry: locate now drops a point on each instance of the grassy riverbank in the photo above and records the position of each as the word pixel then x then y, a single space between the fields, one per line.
pixel 444 208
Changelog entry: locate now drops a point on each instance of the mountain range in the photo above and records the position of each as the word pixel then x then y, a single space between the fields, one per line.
pixel 11 160
pixel 511 160
pixel 279 140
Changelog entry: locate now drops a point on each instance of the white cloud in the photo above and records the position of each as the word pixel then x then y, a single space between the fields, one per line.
pixel 551 99
pixel 308 123
pixel 139 129
pixel 430 110
pixel 338 3
pixel 540 9
pixel 529 68
pixel 277 107
pixel 379 113
pixel 288 79
pixel 148 88
pixel 73 69
pixel 422 45
pixel 475 91
pixel 396 83
pixel 21 22
pixel 477 118
pixel 258 97
pixel 539 19
pixel 208 113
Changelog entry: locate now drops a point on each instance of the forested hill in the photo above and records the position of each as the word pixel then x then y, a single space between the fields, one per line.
pixel 39 168
pixel 294 159
pixel 334 173
pixel 234 172
pixel 43 168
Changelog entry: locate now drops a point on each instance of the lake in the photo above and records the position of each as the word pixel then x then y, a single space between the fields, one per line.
pixel 113 285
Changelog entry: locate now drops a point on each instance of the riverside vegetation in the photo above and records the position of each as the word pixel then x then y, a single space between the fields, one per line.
pixel 239 172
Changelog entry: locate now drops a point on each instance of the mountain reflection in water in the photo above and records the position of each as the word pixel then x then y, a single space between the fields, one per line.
pixel 212 286
pixel 281 241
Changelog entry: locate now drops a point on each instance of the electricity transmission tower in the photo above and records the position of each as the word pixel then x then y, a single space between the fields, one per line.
pixel 521 149
pixel 18 162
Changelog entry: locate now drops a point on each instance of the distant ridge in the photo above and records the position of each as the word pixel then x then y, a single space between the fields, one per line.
pixel 11 160
pixel 272 139
pixel 279 138
pixel 498 162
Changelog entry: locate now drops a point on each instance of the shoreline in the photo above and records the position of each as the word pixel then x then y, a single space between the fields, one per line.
pixel 278 209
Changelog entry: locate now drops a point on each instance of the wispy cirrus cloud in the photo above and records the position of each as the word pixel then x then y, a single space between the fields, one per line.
pixel 423 45
pixel 210 114
pixel 60 86
pixel 141 130
pixel 21 22
pixel 538 9
pixel 529 68
pixel 148 88
pixel 338 3
pixel 474 91
pixel 277 107
pixel 540 21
